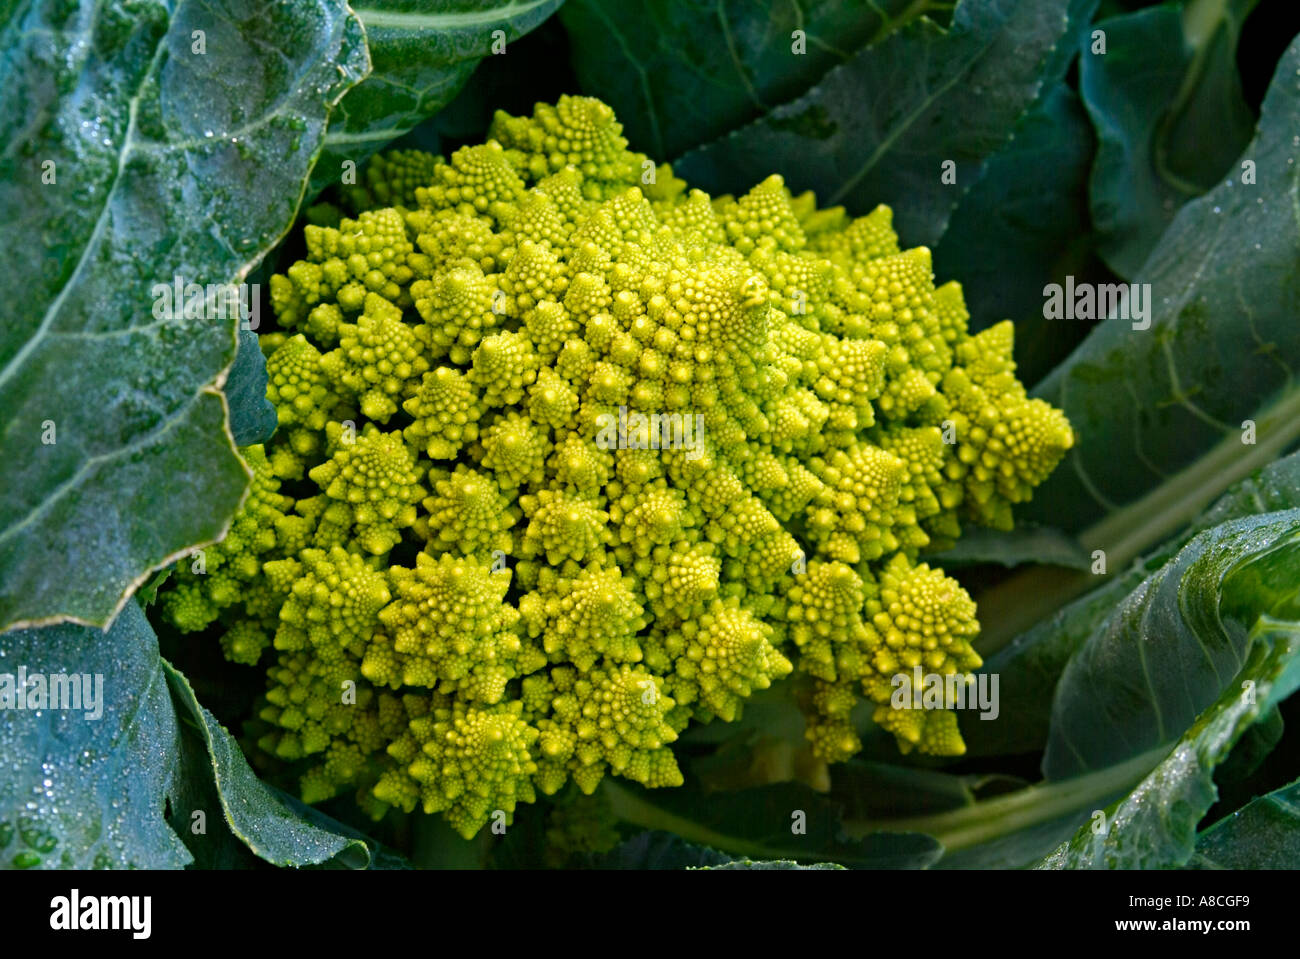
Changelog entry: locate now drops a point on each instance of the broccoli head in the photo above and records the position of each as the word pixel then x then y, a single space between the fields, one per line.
pixel 572 455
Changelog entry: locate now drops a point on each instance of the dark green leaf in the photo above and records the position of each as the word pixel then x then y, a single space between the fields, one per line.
pixel 121 788
pixel 1250 751
pixel 1081 14
pixel 681 72
pixel 1210 122
pixel 1155 825
pixel 1275 487
pixel 1030 666
pixel 252 811
pixel 1263 835
pixel 79 791
pixel 422 52
pixel 1173 646
pixel 878 128
pixel 1214 637
pixel 252 417
pixel 1025 222
pixel 1027 543
pixel 381 857
pixel 1147 404
pixel 1166 101
pixel 1025 225
pixel 159 162
pixel 193 809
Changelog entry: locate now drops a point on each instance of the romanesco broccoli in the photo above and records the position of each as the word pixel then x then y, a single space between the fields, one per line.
pixel 571 455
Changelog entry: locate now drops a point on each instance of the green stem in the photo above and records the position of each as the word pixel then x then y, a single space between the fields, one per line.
pixel 956 829
pixel 993 818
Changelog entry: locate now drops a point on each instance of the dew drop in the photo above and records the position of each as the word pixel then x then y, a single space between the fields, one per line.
pixel 41 840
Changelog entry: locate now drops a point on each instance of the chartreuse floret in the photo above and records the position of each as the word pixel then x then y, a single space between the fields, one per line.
pixel 1006 443
pixel 448 629
pixel 468 514
pixel 920 617
pixel 578 132
pixel 464 761
pixel 371 254
pixel 391 179
pixel 575 455
pixel 374 481
pixel 458 308
pixel 377 361
pixel 607 719
pixel 332 604
pixel 479 181
pixel 584 613
pixel 445 411
pixel 309 701
pixel 720 658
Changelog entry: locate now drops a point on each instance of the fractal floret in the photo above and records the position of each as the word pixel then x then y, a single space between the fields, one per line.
pixel 571 456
